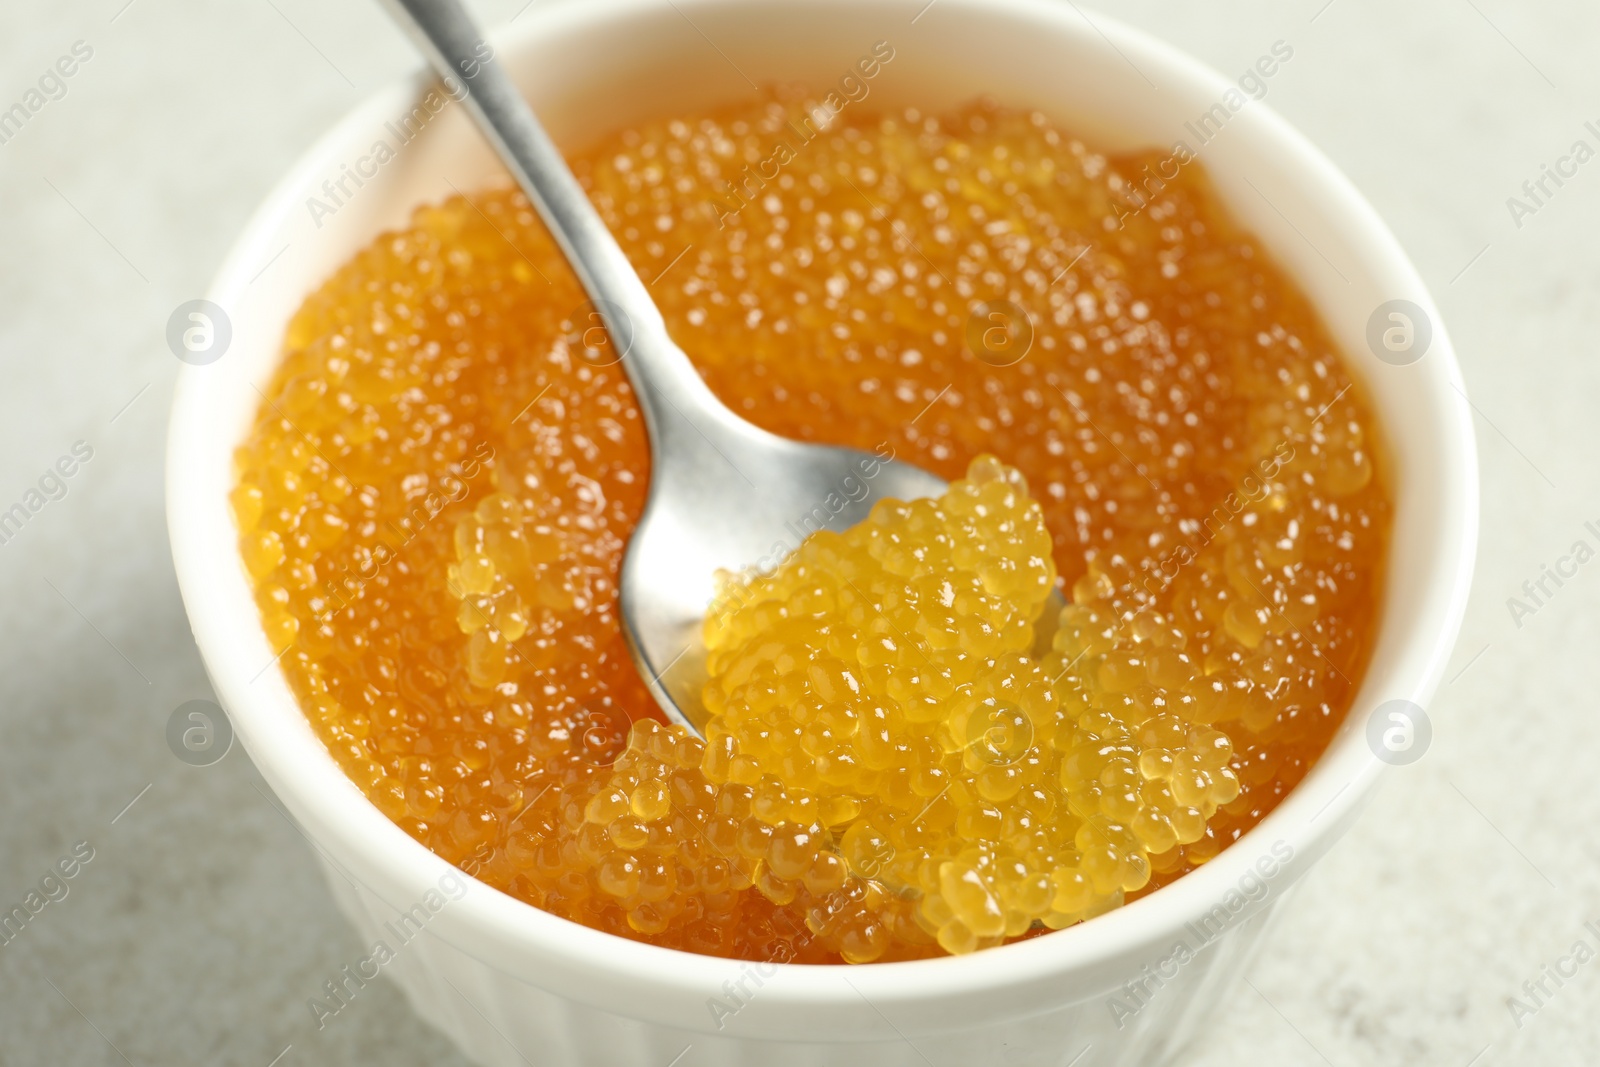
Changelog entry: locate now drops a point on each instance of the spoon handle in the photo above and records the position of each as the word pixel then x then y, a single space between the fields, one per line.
pixel 657 367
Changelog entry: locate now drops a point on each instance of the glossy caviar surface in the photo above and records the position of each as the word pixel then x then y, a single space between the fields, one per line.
pixel 434 502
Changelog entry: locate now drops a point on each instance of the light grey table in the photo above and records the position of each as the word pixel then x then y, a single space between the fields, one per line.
pixel 200 927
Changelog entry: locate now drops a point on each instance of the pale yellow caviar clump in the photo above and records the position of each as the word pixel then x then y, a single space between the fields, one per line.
pixel 880 694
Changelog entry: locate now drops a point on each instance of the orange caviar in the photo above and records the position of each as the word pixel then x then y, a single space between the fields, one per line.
pixel 435 499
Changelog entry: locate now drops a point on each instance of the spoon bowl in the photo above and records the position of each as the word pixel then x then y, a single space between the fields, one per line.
pixel 728 496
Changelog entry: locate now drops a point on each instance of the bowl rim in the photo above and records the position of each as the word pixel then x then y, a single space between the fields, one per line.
pixel 523 940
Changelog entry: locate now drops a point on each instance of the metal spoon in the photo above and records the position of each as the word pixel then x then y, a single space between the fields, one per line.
pixel 724 494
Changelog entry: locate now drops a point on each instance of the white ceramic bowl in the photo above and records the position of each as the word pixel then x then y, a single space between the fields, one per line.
pixel 512 984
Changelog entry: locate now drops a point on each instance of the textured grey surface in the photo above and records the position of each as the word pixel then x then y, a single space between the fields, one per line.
pixel 200 927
